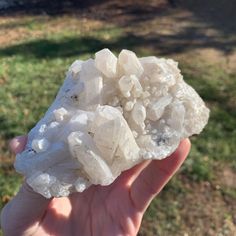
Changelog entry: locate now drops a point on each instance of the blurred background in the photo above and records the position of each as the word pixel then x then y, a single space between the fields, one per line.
pixel 39 39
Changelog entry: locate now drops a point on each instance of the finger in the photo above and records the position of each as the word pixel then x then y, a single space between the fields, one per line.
pixel 27 207
pixel 155 176
pixel 17 144
pixel 127 177
pixel 25 212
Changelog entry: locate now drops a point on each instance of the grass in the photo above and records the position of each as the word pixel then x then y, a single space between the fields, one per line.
pixel 32 70
pixel 10 182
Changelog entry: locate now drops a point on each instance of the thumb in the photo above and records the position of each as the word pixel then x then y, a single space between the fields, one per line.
pixel 25 211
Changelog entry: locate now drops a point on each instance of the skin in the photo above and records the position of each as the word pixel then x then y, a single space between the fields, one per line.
pixel 114 210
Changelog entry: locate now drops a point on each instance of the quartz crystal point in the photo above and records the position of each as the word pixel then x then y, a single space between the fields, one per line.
pixel 110 114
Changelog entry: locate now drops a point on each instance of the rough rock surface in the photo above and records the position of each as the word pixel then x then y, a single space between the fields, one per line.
pixel 110 114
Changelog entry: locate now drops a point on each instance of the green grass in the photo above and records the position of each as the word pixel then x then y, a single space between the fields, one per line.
pixel 9 182
pixel 31 72
pixel 217 143
pixel 165 209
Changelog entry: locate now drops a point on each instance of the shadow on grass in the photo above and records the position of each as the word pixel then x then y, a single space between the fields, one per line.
pixel 44 48
pixel 75 46
pixel 212 24
pixel 214 14
pixel 54 7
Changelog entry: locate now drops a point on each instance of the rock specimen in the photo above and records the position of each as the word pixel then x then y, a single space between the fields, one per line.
pixel 110 114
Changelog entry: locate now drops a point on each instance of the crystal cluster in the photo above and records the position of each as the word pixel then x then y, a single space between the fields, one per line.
pixel 110 114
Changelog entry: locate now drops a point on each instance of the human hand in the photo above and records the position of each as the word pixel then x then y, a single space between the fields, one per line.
pixel 114 210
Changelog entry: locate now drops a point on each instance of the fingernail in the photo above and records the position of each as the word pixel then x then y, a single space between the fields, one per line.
pixel 16 144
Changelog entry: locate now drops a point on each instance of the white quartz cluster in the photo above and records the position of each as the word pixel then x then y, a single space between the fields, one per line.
pixel 110 114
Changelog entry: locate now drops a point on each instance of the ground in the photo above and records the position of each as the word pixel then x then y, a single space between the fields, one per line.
pixel 38 44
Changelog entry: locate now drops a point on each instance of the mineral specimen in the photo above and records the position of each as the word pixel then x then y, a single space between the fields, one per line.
pixel 110 114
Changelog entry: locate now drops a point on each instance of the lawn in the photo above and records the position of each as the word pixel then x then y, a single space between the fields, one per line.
pixel 201 199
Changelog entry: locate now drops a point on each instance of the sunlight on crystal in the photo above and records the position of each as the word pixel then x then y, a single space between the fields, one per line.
pixel 110 114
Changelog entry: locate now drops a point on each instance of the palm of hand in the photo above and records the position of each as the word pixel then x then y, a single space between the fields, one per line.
pixel 116 209
pixel 99 211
